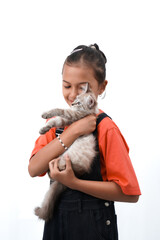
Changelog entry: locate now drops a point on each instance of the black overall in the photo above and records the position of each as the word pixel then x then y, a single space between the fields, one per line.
pixel 79 216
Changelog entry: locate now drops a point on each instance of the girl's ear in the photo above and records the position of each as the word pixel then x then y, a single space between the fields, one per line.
pixel 102 87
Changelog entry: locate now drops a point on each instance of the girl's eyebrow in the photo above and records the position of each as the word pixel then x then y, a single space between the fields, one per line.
pixel 66 81
pixel 70 83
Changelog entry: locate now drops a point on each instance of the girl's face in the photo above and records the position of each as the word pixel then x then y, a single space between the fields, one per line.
pixel 74 78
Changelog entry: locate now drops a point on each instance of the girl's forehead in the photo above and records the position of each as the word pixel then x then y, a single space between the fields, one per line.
pixel 79 74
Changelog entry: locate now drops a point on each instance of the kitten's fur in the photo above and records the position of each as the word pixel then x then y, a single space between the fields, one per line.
pixel 81 152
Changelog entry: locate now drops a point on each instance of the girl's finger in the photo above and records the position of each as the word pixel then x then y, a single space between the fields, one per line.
pixel 68 161
pixel 53 163
pixel 56 162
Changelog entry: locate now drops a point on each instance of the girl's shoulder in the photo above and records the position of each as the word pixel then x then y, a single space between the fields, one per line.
pixel 106 123
pixel 108 131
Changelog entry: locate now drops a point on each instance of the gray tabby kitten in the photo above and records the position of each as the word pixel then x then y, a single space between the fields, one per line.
pixel 81 152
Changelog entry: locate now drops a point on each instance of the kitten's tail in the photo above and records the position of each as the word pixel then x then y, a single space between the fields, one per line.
pixel 46 211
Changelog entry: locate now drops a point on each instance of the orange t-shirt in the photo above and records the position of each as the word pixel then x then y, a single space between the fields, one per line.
pixel 115 161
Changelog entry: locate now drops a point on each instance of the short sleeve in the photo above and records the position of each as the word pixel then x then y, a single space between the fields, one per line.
pixel 117 164
pixel 42 141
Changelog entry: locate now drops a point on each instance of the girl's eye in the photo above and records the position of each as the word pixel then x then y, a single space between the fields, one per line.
pixel 83 87
pixel 66 86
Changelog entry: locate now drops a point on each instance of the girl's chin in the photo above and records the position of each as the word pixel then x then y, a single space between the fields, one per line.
pixel 69 104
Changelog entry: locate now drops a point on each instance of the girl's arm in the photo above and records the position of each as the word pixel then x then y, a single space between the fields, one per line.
pixel 103 190
pixel 39 163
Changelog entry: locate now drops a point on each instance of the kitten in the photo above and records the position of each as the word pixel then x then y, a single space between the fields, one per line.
pixel 81 152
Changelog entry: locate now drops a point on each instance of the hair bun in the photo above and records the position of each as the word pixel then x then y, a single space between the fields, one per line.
pixel 95 46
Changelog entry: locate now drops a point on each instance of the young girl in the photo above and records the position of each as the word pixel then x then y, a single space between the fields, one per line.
pixel 86 209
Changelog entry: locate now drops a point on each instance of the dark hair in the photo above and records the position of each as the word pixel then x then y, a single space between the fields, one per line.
pixel 91 56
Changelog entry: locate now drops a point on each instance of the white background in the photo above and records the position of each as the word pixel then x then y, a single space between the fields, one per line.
pixel 35 38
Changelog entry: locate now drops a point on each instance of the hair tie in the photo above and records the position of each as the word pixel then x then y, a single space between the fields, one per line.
pixel 76 50
pixel 92 46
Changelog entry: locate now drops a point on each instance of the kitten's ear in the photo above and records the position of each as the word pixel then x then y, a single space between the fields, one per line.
pixel 85 88
pixel 90 102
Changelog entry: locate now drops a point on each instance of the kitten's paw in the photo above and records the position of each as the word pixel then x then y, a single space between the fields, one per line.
pixel 41 214
pixel 45 115
pixel 43 130
pixel 37 211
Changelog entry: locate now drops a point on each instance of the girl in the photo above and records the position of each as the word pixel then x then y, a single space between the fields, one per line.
pixel 86 209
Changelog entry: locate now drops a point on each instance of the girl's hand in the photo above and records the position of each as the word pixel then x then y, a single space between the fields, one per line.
pixel 84 126
pixel 66 177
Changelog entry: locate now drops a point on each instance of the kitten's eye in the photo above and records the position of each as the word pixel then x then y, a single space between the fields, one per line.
pixel 76 103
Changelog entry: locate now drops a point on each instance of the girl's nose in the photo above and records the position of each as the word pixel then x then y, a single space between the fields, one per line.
pixel 73 94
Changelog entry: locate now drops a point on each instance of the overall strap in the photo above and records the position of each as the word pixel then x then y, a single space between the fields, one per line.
pixel 101 117
pixel 59 131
